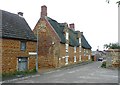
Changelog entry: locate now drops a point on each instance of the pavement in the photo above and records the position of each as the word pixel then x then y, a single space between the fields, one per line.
pixel 44 71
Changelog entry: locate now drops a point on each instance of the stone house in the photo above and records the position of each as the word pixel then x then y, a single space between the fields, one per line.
pixel 17 40
pixel 113 57
pixel 58 43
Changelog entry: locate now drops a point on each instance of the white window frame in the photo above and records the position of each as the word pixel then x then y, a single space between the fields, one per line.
pixel 66 60
pixel 80 58
pixel 80 40
pixel 67 53
pixel 74 58
pixel 80 48
pixel 67 36
pixel 89 57
pixel 84 52
pixel 66 47
pixel 66 50
pixel 75 49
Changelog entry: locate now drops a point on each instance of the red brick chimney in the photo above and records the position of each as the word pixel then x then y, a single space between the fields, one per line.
pixel 43 11
pixel 20 13
pixel 72 26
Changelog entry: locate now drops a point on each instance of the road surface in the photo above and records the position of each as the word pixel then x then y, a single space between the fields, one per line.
pixel 90 73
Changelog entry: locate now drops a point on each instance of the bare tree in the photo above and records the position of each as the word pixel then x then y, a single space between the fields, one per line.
pixel 108 1
pixel 118 2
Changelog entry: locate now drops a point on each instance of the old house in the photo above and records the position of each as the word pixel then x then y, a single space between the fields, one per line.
pixel 58 43
pixel 17 41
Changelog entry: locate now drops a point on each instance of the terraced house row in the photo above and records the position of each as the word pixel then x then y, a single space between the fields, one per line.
pixel 57 44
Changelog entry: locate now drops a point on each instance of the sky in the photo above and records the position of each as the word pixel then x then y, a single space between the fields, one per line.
pixel 97 19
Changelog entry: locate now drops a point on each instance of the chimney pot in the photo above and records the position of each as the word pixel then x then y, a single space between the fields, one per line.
pixel 81 33
pixel 20 13
pixel 72 26
pixel 43 11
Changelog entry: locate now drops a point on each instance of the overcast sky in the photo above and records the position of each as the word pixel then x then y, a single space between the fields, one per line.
pixel 97 19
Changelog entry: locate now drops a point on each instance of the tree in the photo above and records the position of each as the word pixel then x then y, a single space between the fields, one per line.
pixel 108 1
pixel 118 2
pixel 112 46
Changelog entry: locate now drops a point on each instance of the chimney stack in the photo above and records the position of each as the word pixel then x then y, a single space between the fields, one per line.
pixel 72 26
pixel 81 33
pixel 43 11
pixel 20 13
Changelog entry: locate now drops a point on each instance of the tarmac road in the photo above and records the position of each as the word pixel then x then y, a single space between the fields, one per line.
pixel 89 73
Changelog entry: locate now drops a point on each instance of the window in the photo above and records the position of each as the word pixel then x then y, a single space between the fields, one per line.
pixel 66 51
pixel 66 46
pixel 66 60
pixel 23 45
pixel 80 40
pixel 74 49
pixel 80 48
pixel 80 58
pixel 89 57
pixel 67 35
pixel 74 58
pixel 67 54
pixel 84 52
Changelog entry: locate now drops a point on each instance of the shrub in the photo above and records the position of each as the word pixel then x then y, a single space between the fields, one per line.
pixel 103 64
pixel 27 72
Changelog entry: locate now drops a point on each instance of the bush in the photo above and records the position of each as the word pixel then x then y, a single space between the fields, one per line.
pixel 11 74
pixel 103 64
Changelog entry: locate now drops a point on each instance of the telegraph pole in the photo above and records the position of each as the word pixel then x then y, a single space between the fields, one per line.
pixel 118 21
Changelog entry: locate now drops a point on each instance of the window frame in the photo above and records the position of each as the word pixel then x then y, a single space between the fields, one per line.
pixel 79 40
pixel 22 43
pixel 75 49
pixel 66 46
pixel 75 59
pixel 67 36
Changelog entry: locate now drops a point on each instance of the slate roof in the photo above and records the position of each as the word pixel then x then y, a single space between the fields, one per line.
pixel 14 26
pixel 73 41
pixel 85 43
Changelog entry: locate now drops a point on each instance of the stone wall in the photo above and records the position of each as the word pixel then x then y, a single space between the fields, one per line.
pixel 48 46
pixel 113 57
pixel 11 51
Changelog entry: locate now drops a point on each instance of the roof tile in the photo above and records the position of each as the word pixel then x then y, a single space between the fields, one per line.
pixel 14 26
pixel 73 40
